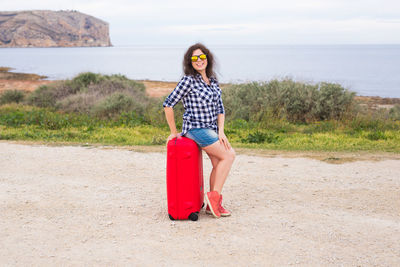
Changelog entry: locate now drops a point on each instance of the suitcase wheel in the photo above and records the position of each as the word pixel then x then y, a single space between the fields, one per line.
pixel 194 216
pixel 171 218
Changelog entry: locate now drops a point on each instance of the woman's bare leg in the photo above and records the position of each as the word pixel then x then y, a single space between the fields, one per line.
pixel 225 157
pixel 214 162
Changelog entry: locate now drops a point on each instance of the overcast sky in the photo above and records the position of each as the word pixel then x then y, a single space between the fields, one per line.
pixel 182 22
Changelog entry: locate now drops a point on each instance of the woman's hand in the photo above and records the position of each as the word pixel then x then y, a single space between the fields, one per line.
pixel 224 140
pixel 169 114
pixel 172 136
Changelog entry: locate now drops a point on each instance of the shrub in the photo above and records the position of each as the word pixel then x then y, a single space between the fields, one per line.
pixel 103 96
pixel 272 138
pixel 11 96
pixel 244 101
pixel 286 99
pixel 372 120
pixel 259 137
pixel 113 105
pixel 44 96
pixel 85 79
pixel 299 101
pixel 376 135
pixel 81 103
pixel 394 113
pixel 332 101
pixel 80 83
pixel 154 112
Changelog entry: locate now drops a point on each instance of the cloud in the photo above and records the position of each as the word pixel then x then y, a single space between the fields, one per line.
pixel 340 21
pixel 204 28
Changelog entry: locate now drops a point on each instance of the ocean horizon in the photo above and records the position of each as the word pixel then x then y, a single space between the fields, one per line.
pixel 368 70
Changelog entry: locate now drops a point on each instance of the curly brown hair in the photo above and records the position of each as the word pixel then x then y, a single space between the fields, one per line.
pixel 187 61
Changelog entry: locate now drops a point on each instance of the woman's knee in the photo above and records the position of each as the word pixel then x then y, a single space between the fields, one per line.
pixel 219 152
pixel 231 154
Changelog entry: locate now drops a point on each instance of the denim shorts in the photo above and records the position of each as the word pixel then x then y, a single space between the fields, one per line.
pixel 202 136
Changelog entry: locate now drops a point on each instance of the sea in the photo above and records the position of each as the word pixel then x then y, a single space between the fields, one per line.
pixel 368 70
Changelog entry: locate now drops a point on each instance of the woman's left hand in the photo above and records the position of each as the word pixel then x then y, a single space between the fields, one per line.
pixel 224 140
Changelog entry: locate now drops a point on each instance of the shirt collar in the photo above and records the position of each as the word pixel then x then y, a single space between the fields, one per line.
pixel 212 79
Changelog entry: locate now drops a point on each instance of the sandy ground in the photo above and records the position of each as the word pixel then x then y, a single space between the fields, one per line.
pixel 158 88
pixel 22 85
pixel 104 206
pixel 20 81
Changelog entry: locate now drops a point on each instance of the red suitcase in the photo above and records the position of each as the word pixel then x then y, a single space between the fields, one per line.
pixel 185 192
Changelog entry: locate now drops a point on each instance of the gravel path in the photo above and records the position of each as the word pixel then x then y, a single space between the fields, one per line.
pixel 72 205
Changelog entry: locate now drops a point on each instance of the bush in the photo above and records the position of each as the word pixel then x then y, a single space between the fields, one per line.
pixel 332 101
pixel 11 96
pixel 372 120
pixel 261 137
pixel 44 96
pixel 154 112
pixel 103 96
pixel 113 106
pixel 245 101
pixel 257 137
pixel 286 99
pixel 85 79
pixel 80 83
pixel 394 113
pixel 376 135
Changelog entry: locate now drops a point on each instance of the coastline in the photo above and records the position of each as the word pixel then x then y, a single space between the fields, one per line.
pixel 30 82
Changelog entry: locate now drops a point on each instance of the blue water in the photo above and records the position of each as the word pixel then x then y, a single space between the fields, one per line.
pixel 366 69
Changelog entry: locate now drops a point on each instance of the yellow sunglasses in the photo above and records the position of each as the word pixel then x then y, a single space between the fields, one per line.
pixel 202 57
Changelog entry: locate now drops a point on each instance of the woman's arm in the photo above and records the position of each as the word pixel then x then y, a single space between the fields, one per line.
pixel 169 115
pixel 182 88
pixel 221 122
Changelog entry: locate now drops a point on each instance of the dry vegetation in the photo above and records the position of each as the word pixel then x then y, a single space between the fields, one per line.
pixel 279 114
pixel 30 82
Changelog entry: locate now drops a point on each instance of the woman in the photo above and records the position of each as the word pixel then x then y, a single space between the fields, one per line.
pixel 203 120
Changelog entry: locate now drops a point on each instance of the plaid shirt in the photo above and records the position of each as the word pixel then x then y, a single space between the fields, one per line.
pixel 202 102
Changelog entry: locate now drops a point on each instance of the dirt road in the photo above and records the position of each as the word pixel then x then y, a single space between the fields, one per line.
pixel 74 205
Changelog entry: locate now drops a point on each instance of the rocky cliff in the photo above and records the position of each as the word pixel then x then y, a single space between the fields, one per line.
pixel 44 28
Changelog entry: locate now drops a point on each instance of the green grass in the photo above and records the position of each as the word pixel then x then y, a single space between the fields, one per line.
pixel 332 141
pixel 150 135
pixel 139 135
pixel 18 122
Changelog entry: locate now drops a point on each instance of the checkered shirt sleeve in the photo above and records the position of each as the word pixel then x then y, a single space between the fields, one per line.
pixel 180 91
